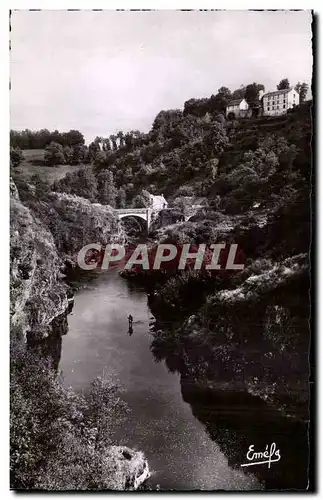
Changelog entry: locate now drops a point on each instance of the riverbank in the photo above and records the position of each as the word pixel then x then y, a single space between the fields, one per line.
pixel 160 423
pixel 60 439
pixel 193 437
pixel 248 329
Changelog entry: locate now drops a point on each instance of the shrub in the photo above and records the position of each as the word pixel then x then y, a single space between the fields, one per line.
pixel 16 157
pixel 57 436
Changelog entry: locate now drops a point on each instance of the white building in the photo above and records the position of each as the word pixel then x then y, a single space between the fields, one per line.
pixel 157 202
pixel 278 102
pixel 238 106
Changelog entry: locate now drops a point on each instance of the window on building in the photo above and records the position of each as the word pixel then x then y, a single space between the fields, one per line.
pixel 284 105
pixel 268 109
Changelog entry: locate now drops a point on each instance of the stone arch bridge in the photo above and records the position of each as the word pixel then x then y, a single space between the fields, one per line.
pixel 146 214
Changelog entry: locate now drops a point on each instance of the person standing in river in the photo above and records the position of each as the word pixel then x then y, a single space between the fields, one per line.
pixel 130 319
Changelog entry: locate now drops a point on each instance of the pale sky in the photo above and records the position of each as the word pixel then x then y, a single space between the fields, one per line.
pixel 100 72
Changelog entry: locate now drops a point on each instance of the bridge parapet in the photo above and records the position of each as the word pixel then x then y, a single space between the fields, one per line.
pixel 148 213
pixel 132 210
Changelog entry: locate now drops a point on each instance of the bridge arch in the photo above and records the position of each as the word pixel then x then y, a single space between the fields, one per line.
pixel 140 220
pixel 137 216
pixel 137 213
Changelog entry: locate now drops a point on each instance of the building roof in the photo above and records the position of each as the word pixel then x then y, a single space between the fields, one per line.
pixel 159 199
pixel 278 92
pixel 235 102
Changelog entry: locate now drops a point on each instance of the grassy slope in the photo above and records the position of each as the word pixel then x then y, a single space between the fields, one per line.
pixel 49 174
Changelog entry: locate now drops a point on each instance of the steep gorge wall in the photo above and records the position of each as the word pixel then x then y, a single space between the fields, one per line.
pixel 44 234
pixel 37 293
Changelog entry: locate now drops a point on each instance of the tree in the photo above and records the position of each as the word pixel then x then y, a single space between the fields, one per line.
pixel 100 159
pixel 86 184
pixel 239 93
pixel 231 116
pixel 211 169
pixel 121 138
pixel 104 406
pixel 107 192
pixel 121 198
pixel 59 438
pixel 43 188
pixel 252 93
pixel 81 183
pixel 54 154
pixel 196 107
pixel 303 92
pixel 298 87
pixel 113 139
pixel 141 200
pixel 68 154
pixel 106 146
pixel 94 148
pixel 72 138
pixel 128 139
pixel 220 100
pixel 16 157
pixel 283 84
pixel 79 153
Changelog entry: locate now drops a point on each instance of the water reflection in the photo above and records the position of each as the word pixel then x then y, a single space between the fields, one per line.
pixel 192 438
pixel 236 420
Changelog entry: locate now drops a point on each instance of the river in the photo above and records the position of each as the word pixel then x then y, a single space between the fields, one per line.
pixel 178 445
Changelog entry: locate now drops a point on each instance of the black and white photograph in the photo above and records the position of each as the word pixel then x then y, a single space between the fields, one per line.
pixel 161 227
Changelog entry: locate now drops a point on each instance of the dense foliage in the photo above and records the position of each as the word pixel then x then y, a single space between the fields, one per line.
pixel 16 157
pixel 30 139
pixel 58 437
pixel 255 174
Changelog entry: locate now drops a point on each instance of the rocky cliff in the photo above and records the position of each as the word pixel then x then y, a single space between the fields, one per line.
pixel 37 293
pixel 44 233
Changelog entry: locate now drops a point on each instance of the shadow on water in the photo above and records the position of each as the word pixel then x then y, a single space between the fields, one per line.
pixel 237 420
pixel 232 420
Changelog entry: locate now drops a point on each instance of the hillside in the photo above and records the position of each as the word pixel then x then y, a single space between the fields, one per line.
pixel 228 333
pixel 256 174
pixel 33 163
pixel 55 441
pixel 185 154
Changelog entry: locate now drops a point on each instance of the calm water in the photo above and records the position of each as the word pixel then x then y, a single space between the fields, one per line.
pixel 185 451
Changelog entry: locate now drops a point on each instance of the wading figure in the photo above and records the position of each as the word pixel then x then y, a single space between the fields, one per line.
pixel 130 319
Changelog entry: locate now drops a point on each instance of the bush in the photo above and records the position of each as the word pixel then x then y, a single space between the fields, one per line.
pixel 57 436
pixel 16 157
pixel 81 183
pixel 54 154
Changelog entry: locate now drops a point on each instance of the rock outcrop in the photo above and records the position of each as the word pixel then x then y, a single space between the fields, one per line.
pixel 37 293
pixel 247 338
pixel 45 233
pixel 131 468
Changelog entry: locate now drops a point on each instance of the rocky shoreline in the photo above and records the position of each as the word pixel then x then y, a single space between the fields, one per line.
pixel 41 299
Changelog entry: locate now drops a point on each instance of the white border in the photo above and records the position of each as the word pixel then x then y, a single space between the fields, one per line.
pixel 161 5
pixel 4 195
